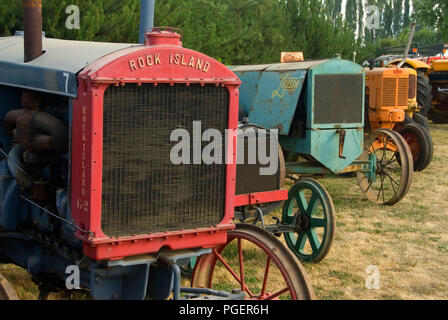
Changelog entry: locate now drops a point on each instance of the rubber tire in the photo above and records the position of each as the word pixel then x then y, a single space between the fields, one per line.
pixel 424 142
pixel 421 120
pixel 205 266
pixel 424 95
pixel 438 116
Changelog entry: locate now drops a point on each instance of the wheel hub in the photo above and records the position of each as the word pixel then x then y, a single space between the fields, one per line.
pixel 303 222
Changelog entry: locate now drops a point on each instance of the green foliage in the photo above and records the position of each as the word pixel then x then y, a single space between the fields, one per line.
pixel 432 15
pixel 248 31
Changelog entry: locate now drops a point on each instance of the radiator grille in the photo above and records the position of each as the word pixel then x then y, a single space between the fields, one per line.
pixel 403 91
pixel 389 92
pixel 412 86
pixel 142 190
pixel 338 98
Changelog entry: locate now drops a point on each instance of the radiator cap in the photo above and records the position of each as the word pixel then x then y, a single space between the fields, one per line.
pixel 164 36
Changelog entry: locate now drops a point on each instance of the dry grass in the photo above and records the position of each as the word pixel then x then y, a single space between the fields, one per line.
pixel 407 242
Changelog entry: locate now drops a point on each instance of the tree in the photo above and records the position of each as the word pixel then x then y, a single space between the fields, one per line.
pixel 431 15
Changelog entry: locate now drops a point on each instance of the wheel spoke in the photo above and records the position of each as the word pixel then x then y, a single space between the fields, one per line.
pixel 372 148
pixel 384 147
pixel 301 241
pixel 392 179
pixel 368 187
pixel 318 223
pixel 301 201
pixel 275 295
pixel 381 187
pixel 392 184
pixel 391 161
pixel 392 157
pixel 266 273
pixel 312 205
pixel 233 273
pixel 314 240
pixel 240 258
pixel 289 219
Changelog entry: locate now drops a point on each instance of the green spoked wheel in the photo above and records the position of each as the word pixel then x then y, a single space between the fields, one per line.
pixel 310 211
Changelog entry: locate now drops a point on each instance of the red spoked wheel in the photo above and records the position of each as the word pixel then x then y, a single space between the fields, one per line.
pixel 257 263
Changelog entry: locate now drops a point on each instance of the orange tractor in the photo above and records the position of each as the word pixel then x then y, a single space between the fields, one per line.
pixel 390 104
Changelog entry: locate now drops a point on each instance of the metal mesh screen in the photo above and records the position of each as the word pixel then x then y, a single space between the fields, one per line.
pixel 403 91
pixel 338 98
pixel 412 86
pixel 389 92
pixel 143 191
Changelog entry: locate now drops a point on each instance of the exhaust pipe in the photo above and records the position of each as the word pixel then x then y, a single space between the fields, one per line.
pixel 32 27
pixel 146 18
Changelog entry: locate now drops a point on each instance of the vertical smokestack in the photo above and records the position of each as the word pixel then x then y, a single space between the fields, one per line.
pixel 146 18
pixel 32 27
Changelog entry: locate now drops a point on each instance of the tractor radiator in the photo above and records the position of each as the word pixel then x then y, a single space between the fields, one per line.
pixel 390 92
pixel 403 91
pixel 338 98
pixel 412 86
pixel 143 192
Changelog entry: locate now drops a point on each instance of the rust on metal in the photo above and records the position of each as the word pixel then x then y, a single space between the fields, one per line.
pixel 291 57
pixel 32 3
pixel 32 26
pixel 342 134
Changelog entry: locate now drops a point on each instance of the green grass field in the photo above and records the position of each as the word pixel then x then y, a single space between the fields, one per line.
pixel 408 242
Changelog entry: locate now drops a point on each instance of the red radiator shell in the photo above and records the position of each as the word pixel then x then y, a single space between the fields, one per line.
pixel 139 64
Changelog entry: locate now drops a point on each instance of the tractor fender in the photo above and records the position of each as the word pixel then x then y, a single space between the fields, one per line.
pixel 415 64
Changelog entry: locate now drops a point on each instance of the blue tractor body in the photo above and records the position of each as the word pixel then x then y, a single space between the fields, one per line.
pixel 316 106
pixel 29 236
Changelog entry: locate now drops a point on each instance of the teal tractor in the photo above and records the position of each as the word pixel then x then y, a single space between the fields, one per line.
pixel 319 112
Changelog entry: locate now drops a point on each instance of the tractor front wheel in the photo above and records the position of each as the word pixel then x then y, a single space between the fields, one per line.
pixel 420 143
pixel 424 95
pixel 310 211
pixel 421 120
pixel 257 263
pixel 392 165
